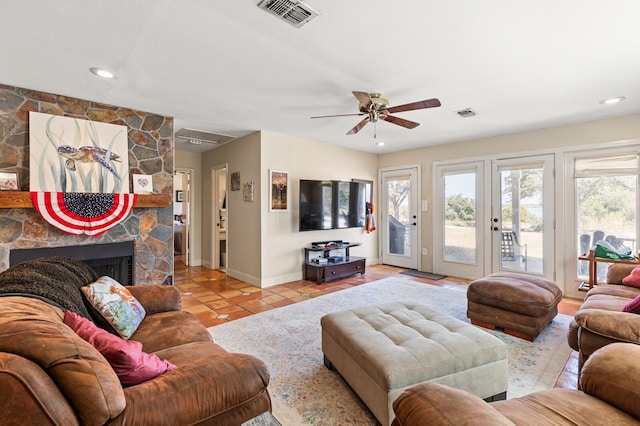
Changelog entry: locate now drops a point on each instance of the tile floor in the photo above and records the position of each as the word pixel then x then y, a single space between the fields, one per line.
pixel 215 298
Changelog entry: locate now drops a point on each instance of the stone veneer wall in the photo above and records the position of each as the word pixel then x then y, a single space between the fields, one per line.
pixel 151 152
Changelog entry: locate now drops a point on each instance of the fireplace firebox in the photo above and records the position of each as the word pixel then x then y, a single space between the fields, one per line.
pixel 111 259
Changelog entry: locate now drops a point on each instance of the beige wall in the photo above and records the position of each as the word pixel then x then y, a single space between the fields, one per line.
pixel 265 248
pixel 243 217
pixel 544 140
pixel 282 243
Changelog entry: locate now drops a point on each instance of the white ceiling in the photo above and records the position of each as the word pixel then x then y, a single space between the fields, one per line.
pixel 229 67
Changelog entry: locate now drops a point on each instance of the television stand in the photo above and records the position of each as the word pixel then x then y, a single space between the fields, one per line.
pixel 330 260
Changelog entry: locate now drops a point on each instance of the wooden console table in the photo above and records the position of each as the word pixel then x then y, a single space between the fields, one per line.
pixel 593 268
pixel 337 263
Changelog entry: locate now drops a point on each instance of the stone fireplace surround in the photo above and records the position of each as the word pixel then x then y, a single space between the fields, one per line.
pixel 151 152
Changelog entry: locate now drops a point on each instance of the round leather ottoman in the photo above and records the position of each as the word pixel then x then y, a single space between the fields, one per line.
pixel 522 305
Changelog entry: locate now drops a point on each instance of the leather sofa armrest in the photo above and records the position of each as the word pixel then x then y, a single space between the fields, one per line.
pixel 34 398
pixel 157 298
pixel 435 404
pixel 206 388
pixel 572 335
pixel 612 374
pixel 621 326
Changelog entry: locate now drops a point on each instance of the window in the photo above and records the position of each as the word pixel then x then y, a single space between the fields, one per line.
pixel 606 205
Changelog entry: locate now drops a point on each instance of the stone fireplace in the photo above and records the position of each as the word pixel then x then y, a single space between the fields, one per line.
pixel 114 260
pixel 149 228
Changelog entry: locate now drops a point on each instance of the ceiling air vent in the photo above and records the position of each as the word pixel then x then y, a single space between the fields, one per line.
pixel 294 12
pixel 197 137
pixel 466 113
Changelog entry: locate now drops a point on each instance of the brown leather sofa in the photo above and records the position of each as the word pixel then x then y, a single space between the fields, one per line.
pixel 610 383
pixel 600 320
pixel 50 376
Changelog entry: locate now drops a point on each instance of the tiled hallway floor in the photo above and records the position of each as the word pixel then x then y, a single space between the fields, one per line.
pixel 215 298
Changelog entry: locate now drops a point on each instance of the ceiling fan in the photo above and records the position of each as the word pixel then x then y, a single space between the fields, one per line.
pixel 375 107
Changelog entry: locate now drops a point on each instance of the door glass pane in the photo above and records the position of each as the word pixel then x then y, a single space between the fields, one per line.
pixel 460 218
pixel 606 211
pixel 521 247
pixel 398 190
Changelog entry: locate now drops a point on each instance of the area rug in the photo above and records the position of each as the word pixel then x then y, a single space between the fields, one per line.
pixel 305 392
pixel 420 274
pixel 264 419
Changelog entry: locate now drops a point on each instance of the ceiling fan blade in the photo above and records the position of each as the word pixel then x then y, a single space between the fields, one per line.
pixel 429 103
pixel 400 121
pixel 338 115
pixel 358 126
pixel 363 97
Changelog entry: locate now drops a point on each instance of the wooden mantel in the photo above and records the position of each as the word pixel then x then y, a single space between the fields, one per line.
pixel 22 200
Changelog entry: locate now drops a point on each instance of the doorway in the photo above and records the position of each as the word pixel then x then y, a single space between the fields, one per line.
pixel 220 218
pixel 459 231
pixel 182 216
pixel 399 214
pixel 522 222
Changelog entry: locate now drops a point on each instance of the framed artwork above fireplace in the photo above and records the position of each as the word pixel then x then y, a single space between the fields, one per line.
pixel 70 154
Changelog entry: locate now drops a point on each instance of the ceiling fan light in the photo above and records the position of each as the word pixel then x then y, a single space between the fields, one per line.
pixel 610 101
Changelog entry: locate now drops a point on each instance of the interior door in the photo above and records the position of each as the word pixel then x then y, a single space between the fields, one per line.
pixel 399 216
pixel 459 211
pixel 522 220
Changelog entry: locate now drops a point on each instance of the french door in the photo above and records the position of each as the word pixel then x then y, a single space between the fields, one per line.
pixel 522 219
pixel 459 231
pixel 494 215
pixel 399 214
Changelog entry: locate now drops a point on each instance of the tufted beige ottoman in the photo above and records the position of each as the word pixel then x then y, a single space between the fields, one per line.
pixel 521 304
pixel 381 350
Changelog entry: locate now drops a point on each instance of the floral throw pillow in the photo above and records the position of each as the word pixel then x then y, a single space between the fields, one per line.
pixel 112 302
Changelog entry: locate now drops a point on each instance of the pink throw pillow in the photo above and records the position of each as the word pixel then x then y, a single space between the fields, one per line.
pixel 633 279
pixel 633 306
pixel 131 364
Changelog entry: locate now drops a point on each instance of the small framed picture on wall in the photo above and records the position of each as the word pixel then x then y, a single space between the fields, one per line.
pixel 9 181
pixel 142 184
pixel 279 185
pixel 235 181
pixel 247 191
pixel 178 196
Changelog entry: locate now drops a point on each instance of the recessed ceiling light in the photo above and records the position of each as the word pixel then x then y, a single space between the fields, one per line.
pixel 101 72
pixel 610 101
pixel 380 143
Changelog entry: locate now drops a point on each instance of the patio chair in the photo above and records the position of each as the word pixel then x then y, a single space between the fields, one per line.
pixel 511 249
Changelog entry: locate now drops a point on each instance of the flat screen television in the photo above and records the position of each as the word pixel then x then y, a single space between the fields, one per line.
pixel 331 204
